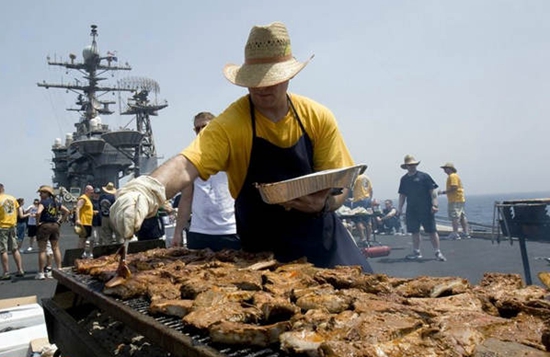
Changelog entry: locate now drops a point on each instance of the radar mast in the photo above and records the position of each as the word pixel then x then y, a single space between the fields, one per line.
pixel 94 154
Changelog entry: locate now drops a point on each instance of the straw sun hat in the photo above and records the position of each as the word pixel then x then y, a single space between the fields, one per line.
pixel 110 188
pixel 80 231
pixel 409 160
pixel 449 165
pixel 268 58
pixel 47 189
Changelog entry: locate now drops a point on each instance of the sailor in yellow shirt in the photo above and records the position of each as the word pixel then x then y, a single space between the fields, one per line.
pixel 9 208
pixel 456 201
pixel 266 136
pixel 228 145
pixel 85 214
pixel 362 196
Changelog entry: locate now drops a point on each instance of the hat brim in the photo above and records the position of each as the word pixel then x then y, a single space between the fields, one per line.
pixel 404 166
pixel 448 167
pixel 263 75
pixel 106 190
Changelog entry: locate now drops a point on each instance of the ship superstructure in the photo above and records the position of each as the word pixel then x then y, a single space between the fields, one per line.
pixel 94 153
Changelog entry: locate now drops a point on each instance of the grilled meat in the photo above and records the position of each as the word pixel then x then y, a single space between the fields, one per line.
pixel 332 301
pixel 175 307
pixel 240 298
pixel 247 334
pixel 204 317
pixel 274 308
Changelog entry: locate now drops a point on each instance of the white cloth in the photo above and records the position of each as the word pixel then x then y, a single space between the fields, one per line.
pixel 213 208
pixel 137 200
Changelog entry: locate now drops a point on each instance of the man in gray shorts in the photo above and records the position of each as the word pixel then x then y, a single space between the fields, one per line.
pixel 9 208
pixel 456 200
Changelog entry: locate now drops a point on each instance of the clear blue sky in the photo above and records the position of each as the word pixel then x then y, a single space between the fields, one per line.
pixel 462 81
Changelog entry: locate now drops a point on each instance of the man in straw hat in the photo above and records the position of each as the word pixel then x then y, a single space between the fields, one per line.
pixel 266 136
pixel 107 233
pixel 455 201
pixel 418 189
pixel 9 211
pixel 49 216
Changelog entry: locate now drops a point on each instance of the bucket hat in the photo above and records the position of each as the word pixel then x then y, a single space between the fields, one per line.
pixel 268 58
pixel 449 165
pixel 47 189
pixel 409 160
pixel 110 188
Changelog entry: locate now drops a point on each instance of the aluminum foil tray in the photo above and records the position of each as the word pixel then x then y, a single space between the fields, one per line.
pixel 287 190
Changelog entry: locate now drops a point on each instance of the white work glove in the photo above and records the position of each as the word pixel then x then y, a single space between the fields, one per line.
pixel 135 201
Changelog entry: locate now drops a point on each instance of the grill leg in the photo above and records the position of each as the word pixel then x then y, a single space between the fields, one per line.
pixel 525 259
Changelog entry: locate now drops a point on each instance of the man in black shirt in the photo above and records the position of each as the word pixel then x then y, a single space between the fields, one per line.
pixel 49 216
pixel 108 234
pixel 418 189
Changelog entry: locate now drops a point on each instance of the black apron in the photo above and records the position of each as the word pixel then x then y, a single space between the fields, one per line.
pixel 290 235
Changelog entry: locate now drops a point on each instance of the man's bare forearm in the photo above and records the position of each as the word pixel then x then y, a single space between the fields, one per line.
pixel 175 174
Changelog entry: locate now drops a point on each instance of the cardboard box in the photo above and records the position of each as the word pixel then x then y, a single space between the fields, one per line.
pixel 39 343
pixel 21 320
pixel 8 303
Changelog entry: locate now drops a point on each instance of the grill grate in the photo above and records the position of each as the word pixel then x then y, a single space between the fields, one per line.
pixel 173 335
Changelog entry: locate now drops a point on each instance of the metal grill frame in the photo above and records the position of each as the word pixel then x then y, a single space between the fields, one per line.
pixel 165 331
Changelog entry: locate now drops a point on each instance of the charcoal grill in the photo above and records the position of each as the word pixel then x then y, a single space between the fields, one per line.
pixel 528 221
pixel 77 293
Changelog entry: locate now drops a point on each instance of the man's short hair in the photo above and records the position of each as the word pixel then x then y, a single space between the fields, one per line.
pixel 204 115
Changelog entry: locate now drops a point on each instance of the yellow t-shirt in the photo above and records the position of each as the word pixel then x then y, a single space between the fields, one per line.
pixel 362 188
pixel 86 211
pixel 225 144
pixel 8 211
pixel 458 194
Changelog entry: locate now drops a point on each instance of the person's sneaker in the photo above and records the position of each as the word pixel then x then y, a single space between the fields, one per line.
pixel 439 256
pixel 48 272
pixel 465 236
pixel 362 243
pixel 453 236
pixel 40 276
pixel 20 274
pixel 6 276
pixel 29 249
pixel 415 255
